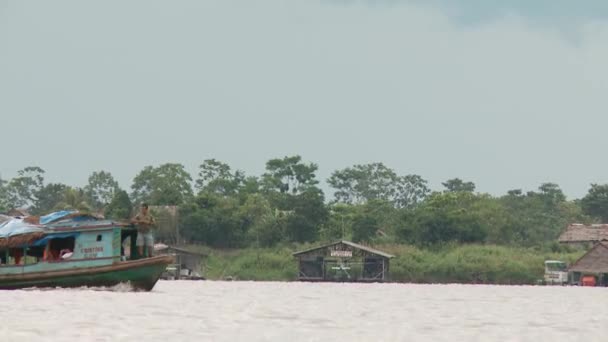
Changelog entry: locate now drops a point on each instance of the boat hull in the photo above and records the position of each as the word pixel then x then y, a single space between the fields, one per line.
pixel 141 274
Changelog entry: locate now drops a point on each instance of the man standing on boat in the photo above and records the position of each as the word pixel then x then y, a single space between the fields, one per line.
pixel 145 236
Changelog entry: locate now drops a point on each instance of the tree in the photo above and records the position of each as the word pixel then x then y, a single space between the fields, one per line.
pixel 22 190
pixel 289 175
pixel 445 217
pixel 73 199
pixel 49 197
pixel 457 185
pixel 365 227
pixel 120 207
pixel 551 194
pixel 266 227
pixel 536 217
pixel 4 201
pixel 363 183
pixel 309 214
pixel 340 222
pixel 168 184
pixel 217 177
pixel 213 220
pixel 595 203
pixel 411 191
pixel 101 189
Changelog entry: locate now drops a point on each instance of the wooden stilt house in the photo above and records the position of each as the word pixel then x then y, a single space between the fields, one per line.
pixel 343 261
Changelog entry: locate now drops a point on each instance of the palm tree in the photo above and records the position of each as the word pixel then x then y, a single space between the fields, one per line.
pixel 75 199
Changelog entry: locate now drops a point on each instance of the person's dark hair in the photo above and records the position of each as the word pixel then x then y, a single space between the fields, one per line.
pixel 144 205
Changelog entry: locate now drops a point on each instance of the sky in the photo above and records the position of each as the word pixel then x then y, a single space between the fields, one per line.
pixel 507 95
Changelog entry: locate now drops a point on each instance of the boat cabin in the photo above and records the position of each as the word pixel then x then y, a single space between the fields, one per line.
pixel 65 244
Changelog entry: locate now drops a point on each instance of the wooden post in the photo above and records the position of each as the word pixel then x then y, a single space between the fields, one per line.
pixel 134 252
pixel 383 270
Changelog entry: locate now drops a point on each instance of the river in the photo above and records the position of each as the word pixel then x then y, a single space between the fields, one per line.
pixel 293 311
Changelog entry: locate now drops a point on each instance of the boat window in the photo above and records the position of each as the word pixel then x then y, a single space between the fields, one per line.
pixel 59 249
pixel 15 256
pixel 98 237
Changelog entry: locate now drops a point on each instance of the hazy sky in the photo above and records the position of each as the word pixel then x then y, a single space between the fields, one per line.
pixel 506 96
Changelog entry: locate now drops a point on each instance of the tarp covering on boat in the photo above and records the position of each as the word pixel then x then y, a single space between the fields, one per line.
pixel 16 231
pixel 4 218
pixel 52 217
pixel 18 227
pixel 48 237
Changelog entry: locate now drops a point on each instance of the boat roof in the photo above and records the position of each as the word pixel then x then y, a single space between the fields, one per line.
pixel 20 231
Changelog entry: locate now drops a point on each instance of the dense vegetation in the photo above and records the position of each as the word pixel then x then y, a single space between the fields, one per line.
pixel 485 264
pixel 225 209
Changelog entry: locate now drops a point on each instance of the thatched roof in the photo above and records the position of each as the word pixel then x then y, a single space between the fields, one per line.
pixel 577 232
pixel 594 261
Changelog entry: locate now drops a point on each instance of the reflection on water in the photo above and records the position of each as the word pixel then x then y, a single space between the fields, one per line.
pixel 259 311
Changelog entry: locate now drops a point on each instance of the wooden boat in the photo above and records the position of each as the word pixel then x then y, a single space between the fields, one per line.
pixel 74 253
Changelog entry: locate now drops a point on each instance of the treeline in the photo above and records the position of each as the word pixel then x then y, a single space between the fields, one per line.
pixel 225 208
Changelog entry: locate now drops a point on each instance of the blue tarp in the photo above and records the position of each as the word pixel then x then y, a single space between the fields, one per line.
pixel 56 216
pixel 18 227
pixel 43 241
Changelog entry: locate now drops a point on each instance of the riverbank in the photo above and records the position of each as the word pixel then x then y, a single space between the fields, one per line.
pixel 467 264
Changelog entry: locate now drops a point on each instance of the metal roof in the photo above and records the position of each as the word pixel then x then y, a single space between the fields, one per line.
pixel 352 244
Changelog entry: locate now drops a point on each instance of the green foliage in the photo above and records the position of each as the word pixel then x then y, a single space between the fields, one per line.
pixel 340 221
pixel 168 184
pixel 269 264
pixel 471 264
pixel 120 207
pixel 217 177
pixel 4 200
pixel 595 203
pixel 373 204
pixel 458 185
pixel 22 190
pixel 101 189
pixel 48 198
pixel 213 220
pixel 450 264
pixel 537 217
pixel 309 213
pixel 445 217
pixel 266 226
pixel 363 183
pixel 289 175
pixel 73 198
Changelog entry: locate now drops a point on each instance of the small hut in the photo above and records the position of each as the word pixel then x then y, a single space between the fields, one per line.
pixel 188 264
pixel 343 261
pixel 593 263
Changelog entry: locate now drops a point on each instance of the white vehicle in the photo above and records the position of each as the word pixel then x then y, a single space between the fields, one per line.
pixel 556 272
